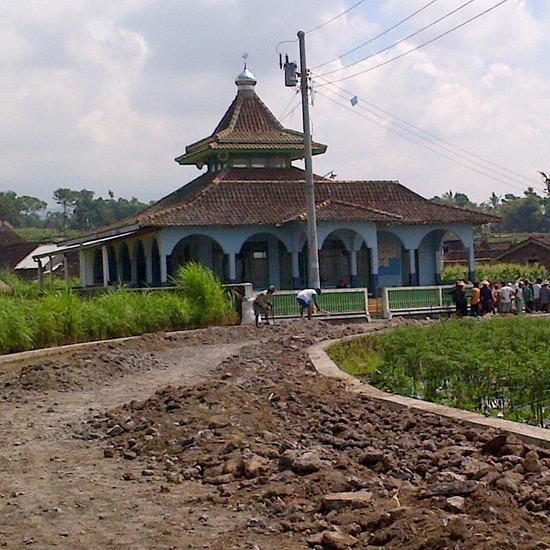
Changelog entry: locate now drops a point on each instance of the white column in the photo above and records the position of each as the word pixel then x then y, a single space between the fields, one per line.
pixel 413 280
pixel 149 267
pixel 232 267
pixel 105 261
pixel 295 270
pixel 83 268
pixel 438 265
pixel 133 269
pixel 119 265
pixel 471 263
pixel 274 263
pixel 374 279
pixel 353 264
pixel 163 266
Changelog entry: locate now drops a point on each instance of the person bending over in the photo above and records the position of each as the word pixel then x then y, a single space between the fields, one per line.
pixel 307 299
pixel 263 305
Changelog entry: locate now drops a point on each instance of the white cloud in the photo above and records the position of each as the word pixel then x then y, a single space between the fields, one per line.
pixel 104 95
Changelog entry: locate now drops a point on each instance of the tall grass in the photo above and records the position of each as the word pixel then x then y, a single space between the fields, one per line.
pixel 17 332
pixel 18 286
pixel 30 321
pixel 208 302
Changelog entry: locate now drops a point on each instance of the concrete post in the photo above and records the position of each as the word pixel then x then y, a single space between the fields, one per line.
pixel 105 262
pixel 353 268
pixel 413 277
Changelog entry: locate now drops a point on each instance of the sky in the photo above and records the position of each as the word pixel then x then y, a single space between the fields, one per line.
pixel 104 94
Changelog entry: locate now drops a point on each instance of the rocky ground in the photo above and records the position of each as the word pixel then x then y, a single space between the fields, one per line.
pixel 228 438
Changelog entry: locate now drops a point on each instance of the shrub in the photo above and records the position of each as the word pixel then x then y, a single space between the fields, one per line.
pixel 208 302
pixel 496 272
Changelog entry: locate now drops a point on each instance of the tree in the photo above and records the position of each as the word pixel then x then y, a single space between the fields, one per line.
pixel 546 180
pixel 9 207
pixel 30 207
pixel 492 204
pixel 84 214
pixel 66 198
pixel 21 211
pixel 523 214
pixel 80 210
pixel 455 199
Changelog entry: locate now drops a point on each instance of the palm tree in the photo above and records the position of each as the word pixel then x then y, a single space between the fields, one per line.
pixel 546 181
pixel 493 202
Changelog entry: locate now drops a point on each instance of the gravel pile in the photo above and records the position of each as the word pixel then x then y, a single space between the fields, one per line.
pixel 310 465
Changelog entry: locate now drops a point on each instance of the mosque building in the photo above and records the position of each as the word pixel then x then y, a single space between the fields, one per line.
pixel 245 218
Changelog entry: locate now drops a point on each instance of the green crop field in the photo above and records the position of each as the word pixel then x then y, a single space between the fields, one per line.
pixel 498 366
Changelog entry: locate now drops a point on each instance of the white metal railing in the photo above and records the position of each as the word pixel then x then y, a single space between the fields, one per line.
pixel 338 303
pixel 411 300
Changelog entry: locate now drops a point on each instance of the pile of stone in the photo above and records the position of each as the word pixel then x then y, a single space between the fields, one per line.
pixel 317 466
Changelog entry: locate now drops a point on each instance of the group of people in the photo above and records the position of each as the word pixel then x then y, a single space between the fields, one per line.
pixel 486 297
pixel 307 302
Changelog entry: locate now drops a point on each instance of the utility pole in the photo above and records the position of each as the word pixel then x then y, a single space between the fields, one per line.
pixel 313 251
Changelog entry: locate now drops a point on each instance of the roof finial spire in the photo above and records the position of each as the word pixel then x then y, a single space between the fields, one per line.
pixel 246 80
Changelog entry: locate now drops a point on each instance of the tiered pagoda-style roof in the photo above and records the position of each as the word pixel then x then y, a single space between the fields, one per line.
pixel 247 127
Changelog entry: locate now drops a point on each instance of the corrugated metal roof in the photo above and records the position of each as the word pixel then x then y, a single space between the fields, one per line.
pixel 43 250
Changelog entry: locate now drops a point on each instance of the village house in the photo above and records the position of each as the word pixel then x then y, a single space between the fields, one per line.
pixel 533 249
pixel 244 217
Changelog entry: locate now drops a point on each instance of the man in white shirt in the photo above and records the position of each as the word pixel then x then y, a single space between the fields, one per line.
pixel 307 299
pixel 536 293
pixel 506 296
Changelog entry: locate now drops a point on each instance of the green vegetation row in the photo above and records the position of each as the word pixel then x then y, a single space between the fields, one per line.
pixel 496 273
pixel 79 211
pixel 497 366
pixel 529 213
pixel 30 321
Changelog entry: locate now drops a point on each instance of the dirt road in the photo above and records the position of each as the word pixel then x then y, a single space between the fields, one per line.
pixel 56 489
pixel 226 438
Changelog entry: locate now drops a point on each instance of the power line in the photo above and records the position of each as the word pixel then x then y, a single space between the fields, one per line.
pixel 319 26
pixel 433 136
pixel 421 45
pixel 485 174
pixel 377 36
pixel 402 39
pixel 290 113
pixel 284 114
pixel 334 18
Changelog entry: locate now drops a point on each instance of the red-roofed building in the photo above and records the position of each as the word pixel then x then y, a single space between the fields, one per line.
pixel 13 248
pixel 534 249
pixel 245 218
